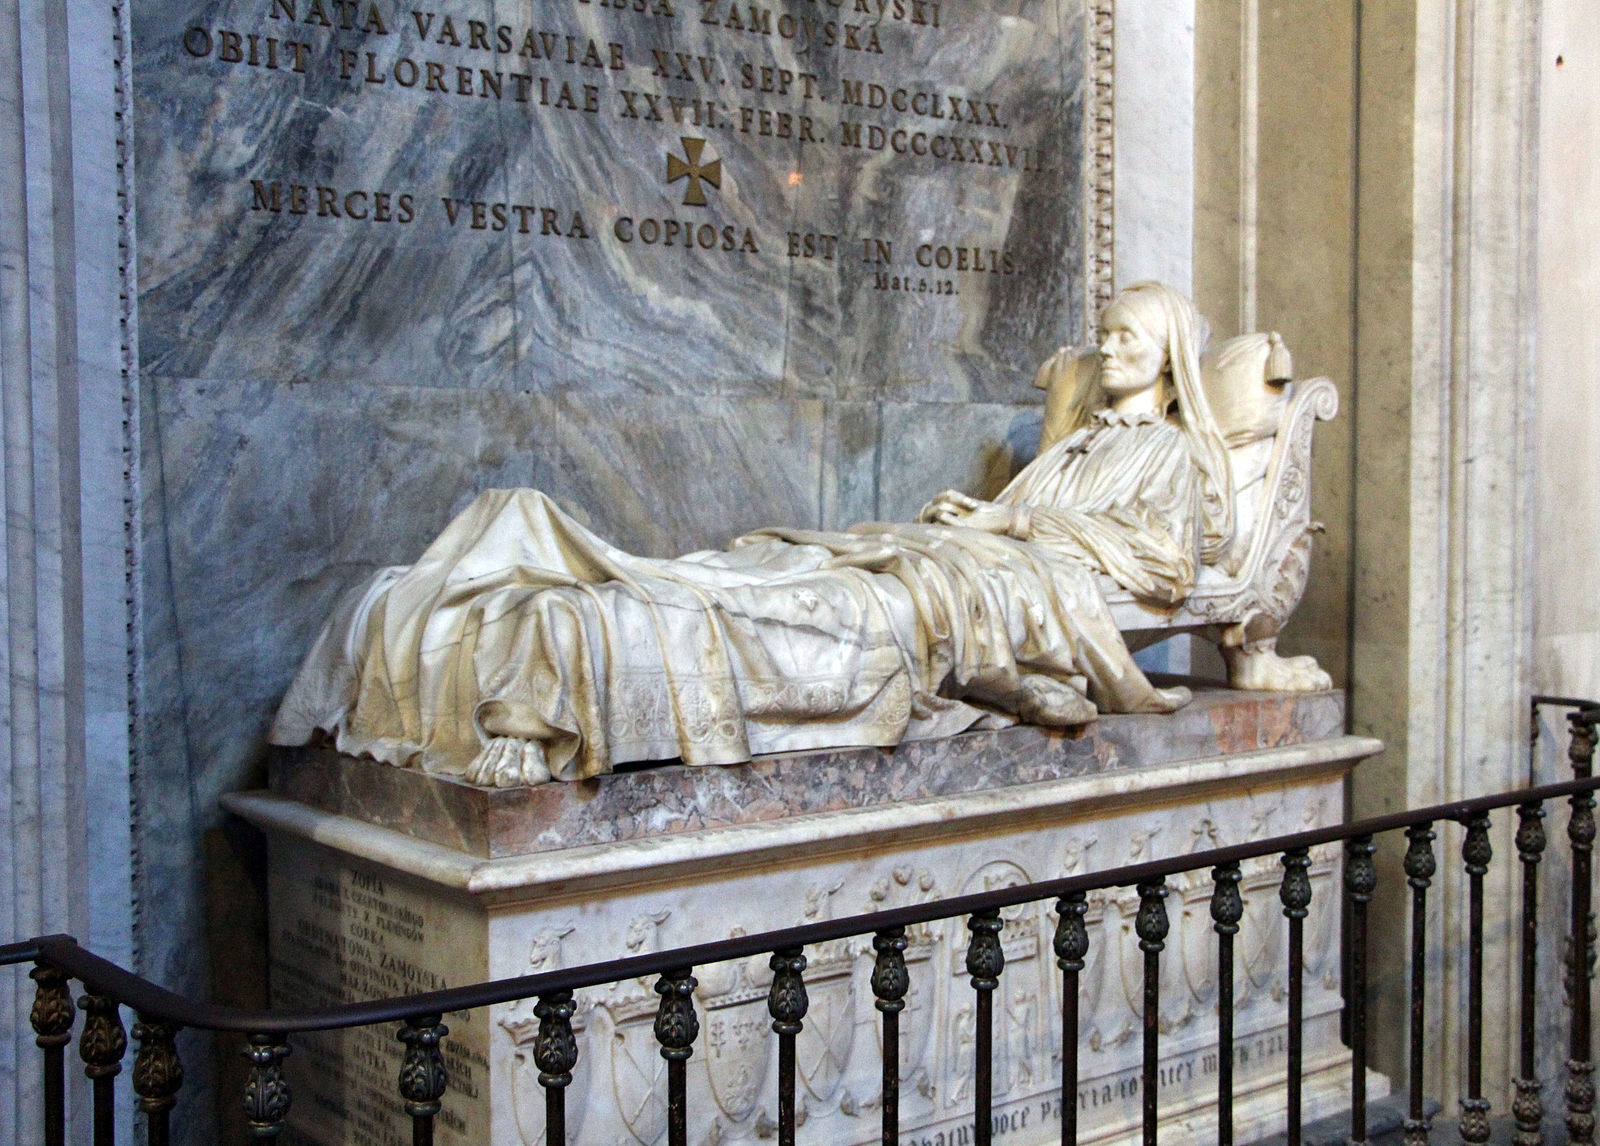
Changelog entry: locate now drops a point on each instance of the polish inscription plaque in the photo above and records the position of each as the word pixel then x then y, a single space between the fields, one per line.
pixel 841 198
pixel 346 934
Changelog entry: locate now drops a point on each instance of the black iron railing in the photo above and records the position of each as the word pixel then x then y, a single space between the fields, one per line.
pixel 158 1075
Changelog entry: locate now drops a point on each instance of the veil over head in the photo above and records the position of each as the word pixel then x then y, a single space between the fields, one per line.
pixel 1169 317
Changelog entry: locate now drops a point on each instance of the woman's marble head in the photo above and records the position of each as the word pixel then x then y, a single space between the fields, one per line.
pixel 1133 350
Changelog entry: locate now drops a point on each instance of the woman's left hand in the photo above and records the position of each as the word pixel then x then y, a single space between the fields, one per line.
pixel 975 514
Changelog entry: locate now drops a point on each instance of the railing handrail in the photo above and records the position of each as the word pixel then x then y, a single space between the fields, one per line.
pixel 153 1002
pixel 1588 710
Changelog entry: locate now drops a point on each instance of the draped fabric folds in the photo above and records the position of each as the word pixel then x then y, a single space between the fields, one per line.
pixel 522 647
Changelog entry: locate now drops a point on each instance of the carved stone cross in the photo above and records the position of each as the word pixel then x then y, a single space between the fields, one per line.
pixel 692 170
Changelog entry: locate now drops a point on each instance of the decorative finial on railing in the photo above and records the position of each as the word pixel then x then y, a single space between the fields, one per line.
pixel 104 1041
pixel 985 957
pixel 1071 947
pixel 101 1046
pixel 676 1028
pixel 1360 873
pixel 1151 924
pixel 1072 933
pixel 786 1000
pixel 890 979
pixel 787 1004
pixel 555 1053
pixel 53 1013
pixel 1528 1105
pixel 1580 966
pixel 1419 863
pixel 890 982
pixel 1227 906
pixel 157 1075
pixel 52 1017
pixel 1295 890
pixel 266 1091
pixel 1420 867
pixel 555 1049
pixel 1360 881
pixel 1476 850
pixel 423 1077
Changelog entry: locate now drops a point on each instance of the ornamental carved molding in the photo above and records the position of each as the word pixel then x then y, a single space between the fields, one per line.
pixel 1099 134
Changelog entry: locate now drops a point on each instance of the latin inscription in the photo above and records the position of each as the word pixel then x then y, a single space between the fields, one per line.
pixel 1115 1100
pixel 560 63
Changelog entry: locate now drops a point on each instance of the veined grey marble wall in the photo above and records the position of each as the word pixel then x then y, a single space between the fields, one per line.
pixel 690 266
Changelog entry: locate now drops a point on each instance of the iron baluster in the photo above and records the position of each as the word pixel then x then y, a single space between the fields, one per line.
pixel 1227 908
pixel 1419 865
pixel 1071 945
pixel 52 1018
pixel 423 1077
pixel 985 960
pixel 1580 831
pixel 1476 852
pixel 555 1053
pixel 676 1028
pixel 1528 1106
pixel 890 982
pixel 101 1046
pixel 266 1091
pixel 1151 926
pixel 1360 881
pixel 787 1004
pixel 1295 894
pixel 157 1076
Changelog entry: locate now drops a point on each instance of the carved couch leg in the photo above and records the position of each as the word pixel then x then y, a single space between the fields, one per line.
pixel 1256 666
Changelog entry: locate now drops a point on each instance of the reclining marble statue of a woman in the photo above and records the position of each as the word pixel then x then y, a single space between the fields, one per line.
pixel 521 647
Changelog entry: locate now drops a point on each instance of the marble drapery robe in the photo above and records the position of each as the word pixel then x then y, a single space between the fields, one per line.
pixel 522 647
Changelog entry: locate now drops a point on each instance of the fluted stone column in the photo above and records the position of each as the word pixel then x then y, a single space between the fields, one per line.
pixel 1471 524
pixel 64 717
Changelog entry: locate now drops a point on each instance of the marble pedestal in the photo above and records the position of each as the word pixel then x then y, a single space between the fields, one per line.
pixel 385 881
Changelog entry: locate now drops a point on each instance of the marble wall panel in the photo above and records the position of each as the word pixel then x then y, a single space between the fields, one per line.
pixel 928 448
pixel 274 499
pixel 953 277
pixel 665 476
pixel 850 492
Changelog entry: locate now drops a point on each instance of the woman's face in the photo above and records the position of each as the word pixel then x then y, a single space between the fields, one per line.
pixel 1131 358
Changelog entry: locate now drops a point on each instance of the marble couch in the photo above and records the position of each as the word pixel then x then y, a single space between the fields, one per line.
pixel 1241 602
